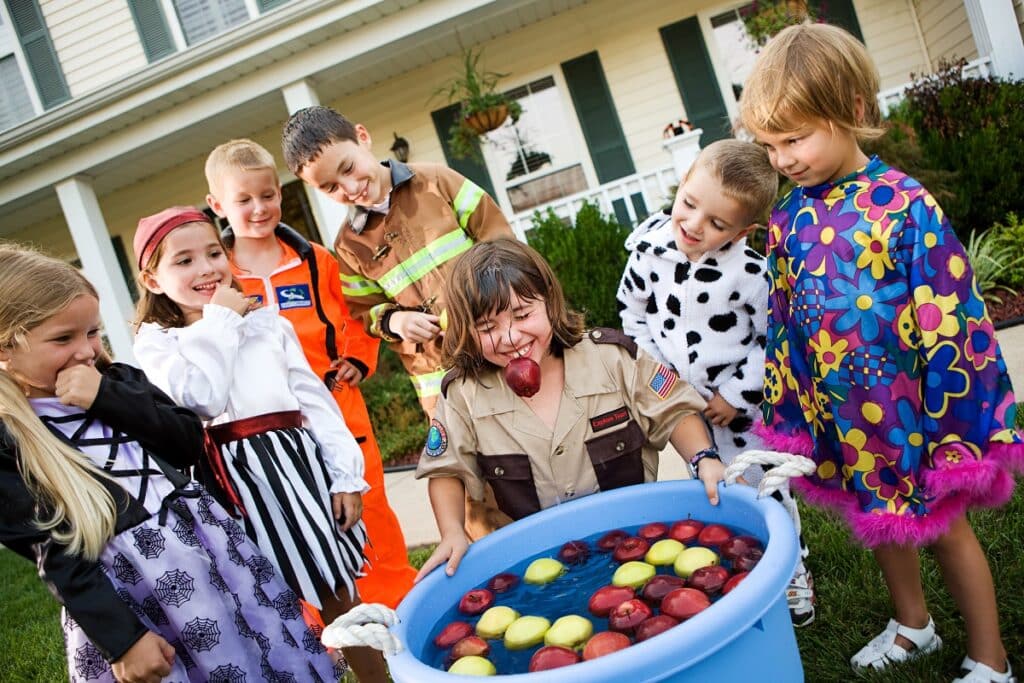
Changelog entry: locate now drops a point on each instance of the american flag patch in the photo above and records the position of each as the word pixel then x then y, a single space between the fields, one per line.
pixel 663 381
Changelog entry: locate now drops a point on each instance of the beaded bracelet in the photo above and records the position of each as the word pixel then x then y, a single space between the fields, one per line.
pixel 711 453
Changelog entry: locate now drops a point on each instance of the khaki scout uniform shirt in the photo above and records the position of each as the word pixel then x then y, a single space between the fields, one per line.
pixel 399 260
pixel 618 409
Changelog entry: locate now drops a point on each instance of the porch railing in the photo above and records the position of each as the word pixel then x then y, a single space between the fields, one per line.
pixel 887 99
pixel 631 199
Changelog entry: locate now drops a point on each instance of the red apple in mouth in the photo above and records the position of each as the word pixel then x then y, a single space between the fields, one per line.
pixel 714 535
pixel 745 563
pixel 631 549
pixel 653 626
pixel 605 643
pixel 733 582
pixel 523 376
pixel 607 598
pixel 628 615
pixel 574 552
pixel 653 531
pixel 659 586
pixel 683 603
pixel 685 531
pixel 503 582
pixel 476 601
pixel 611 539
pixel 737 546
pixel 452 633
pixel 709 580
pixel 552 657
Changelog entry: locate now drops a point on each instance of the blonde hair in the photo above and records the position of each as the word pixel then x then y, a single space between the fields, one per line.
pixel 34 288
pixel 482 282
pixel 744 172
pixel 808 72
pixel 237 155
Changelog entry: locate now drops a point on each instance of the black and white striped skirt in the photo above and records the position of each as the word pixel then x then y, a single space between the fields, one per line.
pixel 284 487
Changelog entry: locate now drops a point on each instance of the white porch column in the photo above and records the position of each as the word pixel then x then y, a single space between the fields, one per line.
pixel 99 263
pixel 329 213
pixel 997 35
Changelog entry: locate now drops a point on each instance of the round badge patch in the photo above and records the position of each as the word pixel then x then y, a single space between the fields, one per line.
pixel 437 439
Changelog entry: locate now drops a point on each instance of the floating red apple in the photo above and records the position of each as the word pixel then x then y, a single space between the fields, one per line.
pixel 714 535
pixel 574 552
pixel 628 615
pixel 747 562
pixel 470 646
pixel 653 626
pixel 605 643
pixel 683 603
pixel 709 580
pixel 653 531
pixel 501 583
pixel 737 546
pixel 523 376
pixel 611 539
pixel 631 549
pixel 685 531
pixel 452 633
pixel 733 582
pixel 659 586
pixel 607 598
pixel 552 657
pixel 476 601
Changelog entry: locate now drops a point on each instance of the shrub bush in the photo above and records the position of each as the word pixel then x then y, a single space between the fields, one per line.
pixel 972 126
pixel 991 260
pixel 1009 238
pixel 588 259
pixel 395 413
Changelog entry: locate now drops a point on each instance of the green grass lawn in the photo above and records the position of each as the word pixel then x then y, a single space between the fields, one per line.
pixel 853 605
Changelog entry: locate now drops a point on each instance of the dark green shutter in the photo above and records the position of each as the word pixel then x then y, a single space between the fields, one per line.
pixel 839 13
pixel 471 168
pixel 39 52
pixel 266 5
pixel 152 27
pixel 696 80
pixel 596 113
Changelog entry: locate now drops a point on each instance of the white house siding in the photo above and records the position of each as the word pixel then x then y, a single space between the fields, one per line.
pixel 1018 8
pixel 96 41
pixel 889 33
pixel 946 30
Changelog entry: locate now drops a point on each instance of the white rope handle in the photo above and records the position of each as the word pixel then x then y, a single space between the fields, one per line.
pixel 785 466
pixel 365 625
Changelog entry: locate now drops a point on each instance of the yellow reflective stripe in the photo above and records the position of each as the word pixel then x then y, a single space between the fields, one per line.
pixel 428 384
pixel 353 285
pixel 423 261
pixel 377 312
pixel 466 201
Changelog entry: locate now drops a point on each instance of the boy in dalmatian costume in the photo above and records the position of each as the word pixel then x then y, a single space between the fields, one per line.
pixel 695 297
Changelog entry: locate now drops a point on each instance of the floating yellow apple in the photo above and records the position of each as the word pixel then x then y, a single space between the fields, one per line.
pixel 494 621
pixel 570 631
pixel 633 574
pixel 526 632
pixel 473 666
pixel 664 552
pixel 543 570
pixel 692 559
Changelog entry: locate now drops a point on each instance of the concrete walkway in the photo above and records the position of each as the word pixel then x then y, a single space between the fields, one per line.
pixel 409 498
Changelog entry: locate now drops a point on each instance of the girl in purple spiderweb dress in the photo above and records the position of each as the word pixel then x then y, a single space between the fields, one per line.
pixel 157 581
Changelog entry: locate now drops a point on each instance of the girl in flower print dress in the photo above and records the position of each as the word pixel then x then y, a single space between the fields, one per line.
pixel 882 365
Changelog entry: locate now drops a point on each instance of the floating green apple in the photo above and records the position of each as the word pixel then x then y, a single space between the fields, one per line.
pixel 526 632
pixel 570 631
pixel 543 570
pixel 473 666
pixel 664 552
pixel 633 574
pixel 494 621
pixel 692 559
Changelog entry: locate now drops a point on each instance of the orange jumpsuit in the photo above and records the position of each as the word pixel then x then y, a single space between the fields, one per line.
pixel 314 304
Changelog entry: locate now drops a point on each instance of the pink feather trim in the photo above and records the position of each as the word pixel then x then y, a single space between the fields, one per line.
pixel 799 443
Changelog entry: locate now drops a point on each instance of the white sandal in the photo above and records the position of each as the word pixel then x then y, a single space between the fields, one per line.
pixel 882 651
pixel 976 672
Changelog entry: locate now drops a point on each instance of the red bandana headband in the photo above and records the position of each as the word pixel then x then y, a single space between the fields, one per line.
pixel 153 229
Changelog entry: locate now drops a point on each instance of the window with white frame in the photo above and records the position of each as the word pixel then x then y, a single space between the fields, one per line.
pixel 734 46
pixel 15 102
pixel 201 19
pixel 536 159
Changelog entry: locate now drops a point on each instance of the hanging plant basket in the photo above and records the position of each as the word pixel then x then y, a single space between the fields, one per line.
pixel 488 119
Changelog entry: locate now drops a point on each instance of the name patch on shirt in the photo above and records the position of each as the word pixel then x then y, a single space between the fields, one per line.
pixel 437 439
pixel 293 296
pixel 609 419
pixel 663 380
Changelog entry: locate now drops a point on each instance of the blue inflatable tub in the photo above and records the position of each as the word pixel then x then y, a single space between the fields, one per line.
pixel 747 635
